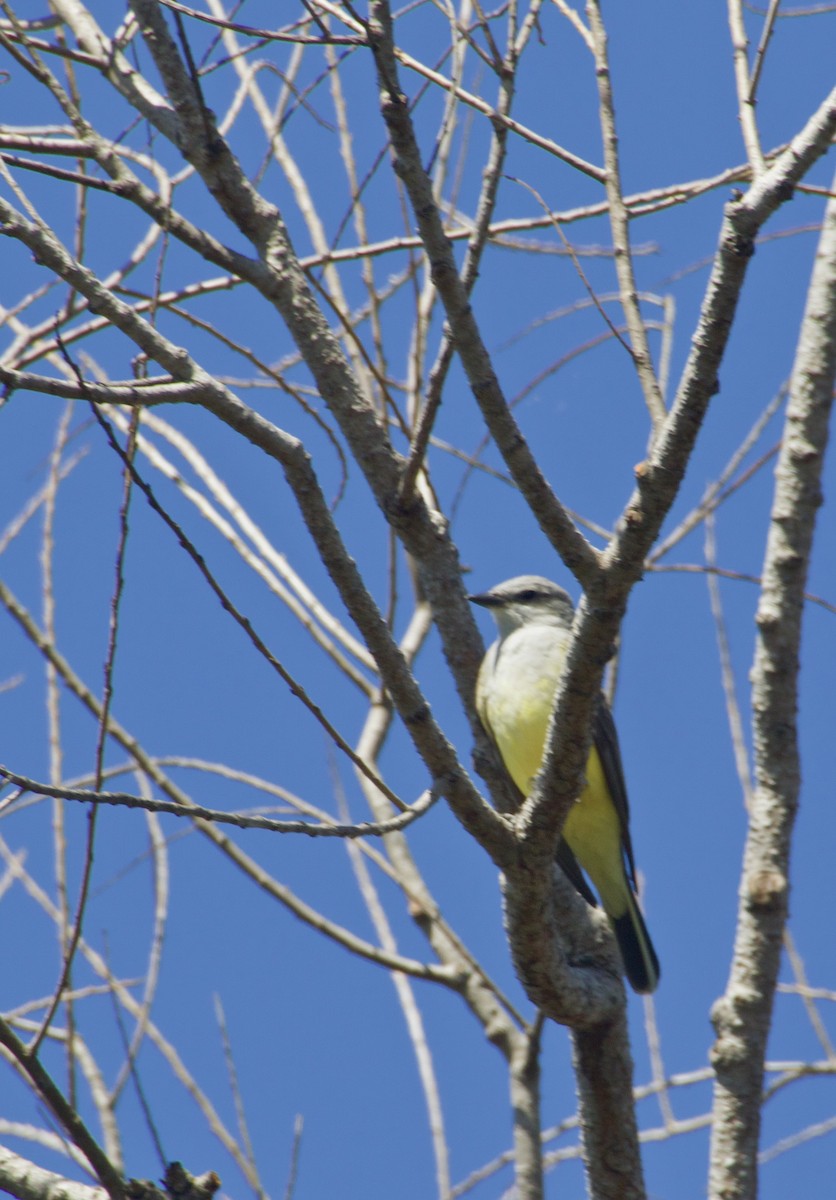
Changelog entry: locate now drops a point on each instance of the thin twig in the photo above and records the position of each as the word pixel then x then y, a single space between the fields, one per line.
pixel 293 1169
pixel 741 753
pixel 237 1098
pixel 412 1016
pixel 244 621
pixel 639 347
pixel 64 1113
pixel 745 89
pixel 219 817
pixel 760 54
pixel 107 696
pixel 53 708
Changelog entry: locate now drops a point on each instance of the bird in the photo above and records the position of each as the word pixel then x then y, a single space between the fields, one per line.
pixel 517 682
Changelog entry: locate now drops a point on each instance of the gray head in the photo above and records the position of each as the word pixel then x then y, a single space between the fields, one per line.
pixel 527 599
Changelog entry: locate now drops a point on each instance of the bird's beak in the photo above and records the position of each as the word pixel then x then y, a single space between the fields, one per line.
pixel 485 599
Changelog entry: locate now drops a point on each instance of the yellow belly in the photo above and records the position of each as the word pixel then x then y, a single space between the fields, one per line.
pixel 516 697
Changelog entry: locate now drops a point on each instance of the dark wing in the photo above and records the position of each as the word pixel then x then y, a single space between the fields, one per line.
pixel 568 864
pixel 605 739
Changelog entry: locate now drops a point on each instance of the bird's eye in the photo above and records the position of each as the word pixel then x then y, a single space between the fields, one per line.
pixel 529 594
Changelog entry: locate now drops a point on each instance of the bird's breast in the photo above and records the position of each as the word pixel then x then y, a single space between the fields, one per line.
pixel 517 684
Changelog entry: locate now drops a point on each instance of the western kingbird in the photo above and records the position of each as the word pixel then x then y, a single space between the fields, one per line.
pixel 515 692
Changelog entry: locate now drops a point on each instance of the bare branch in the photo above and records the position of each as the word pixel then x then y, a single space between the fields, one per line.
pixel 611 1145
pixel 659 478
pixel 619 224
pixel 742 1016
pixel 26 1181
pixel 218 816
pixel 745 89
pixel 576 552
pixel 63 1112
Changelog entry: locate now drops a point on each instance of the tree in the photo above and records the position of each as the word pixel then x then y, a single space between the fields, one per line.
pixel 337 252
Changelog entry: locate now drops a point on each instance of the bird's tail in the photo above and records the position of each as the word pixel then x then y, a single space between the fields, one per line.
pixel 640 962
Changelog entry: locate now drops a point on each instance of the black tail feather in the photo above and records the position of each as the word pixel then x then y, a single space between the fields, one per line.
pixel 640 962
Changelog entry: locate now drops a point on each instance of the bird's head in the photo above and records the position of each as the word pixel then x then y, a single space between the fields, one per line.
pixel 527 599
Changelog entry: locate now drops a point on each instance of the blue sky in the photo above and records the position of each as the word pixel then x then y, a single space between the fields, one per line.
pixel 314 1031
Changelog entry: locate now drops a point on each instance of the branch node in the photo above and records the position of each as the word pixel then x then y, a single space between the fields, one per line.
pixel 767 889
